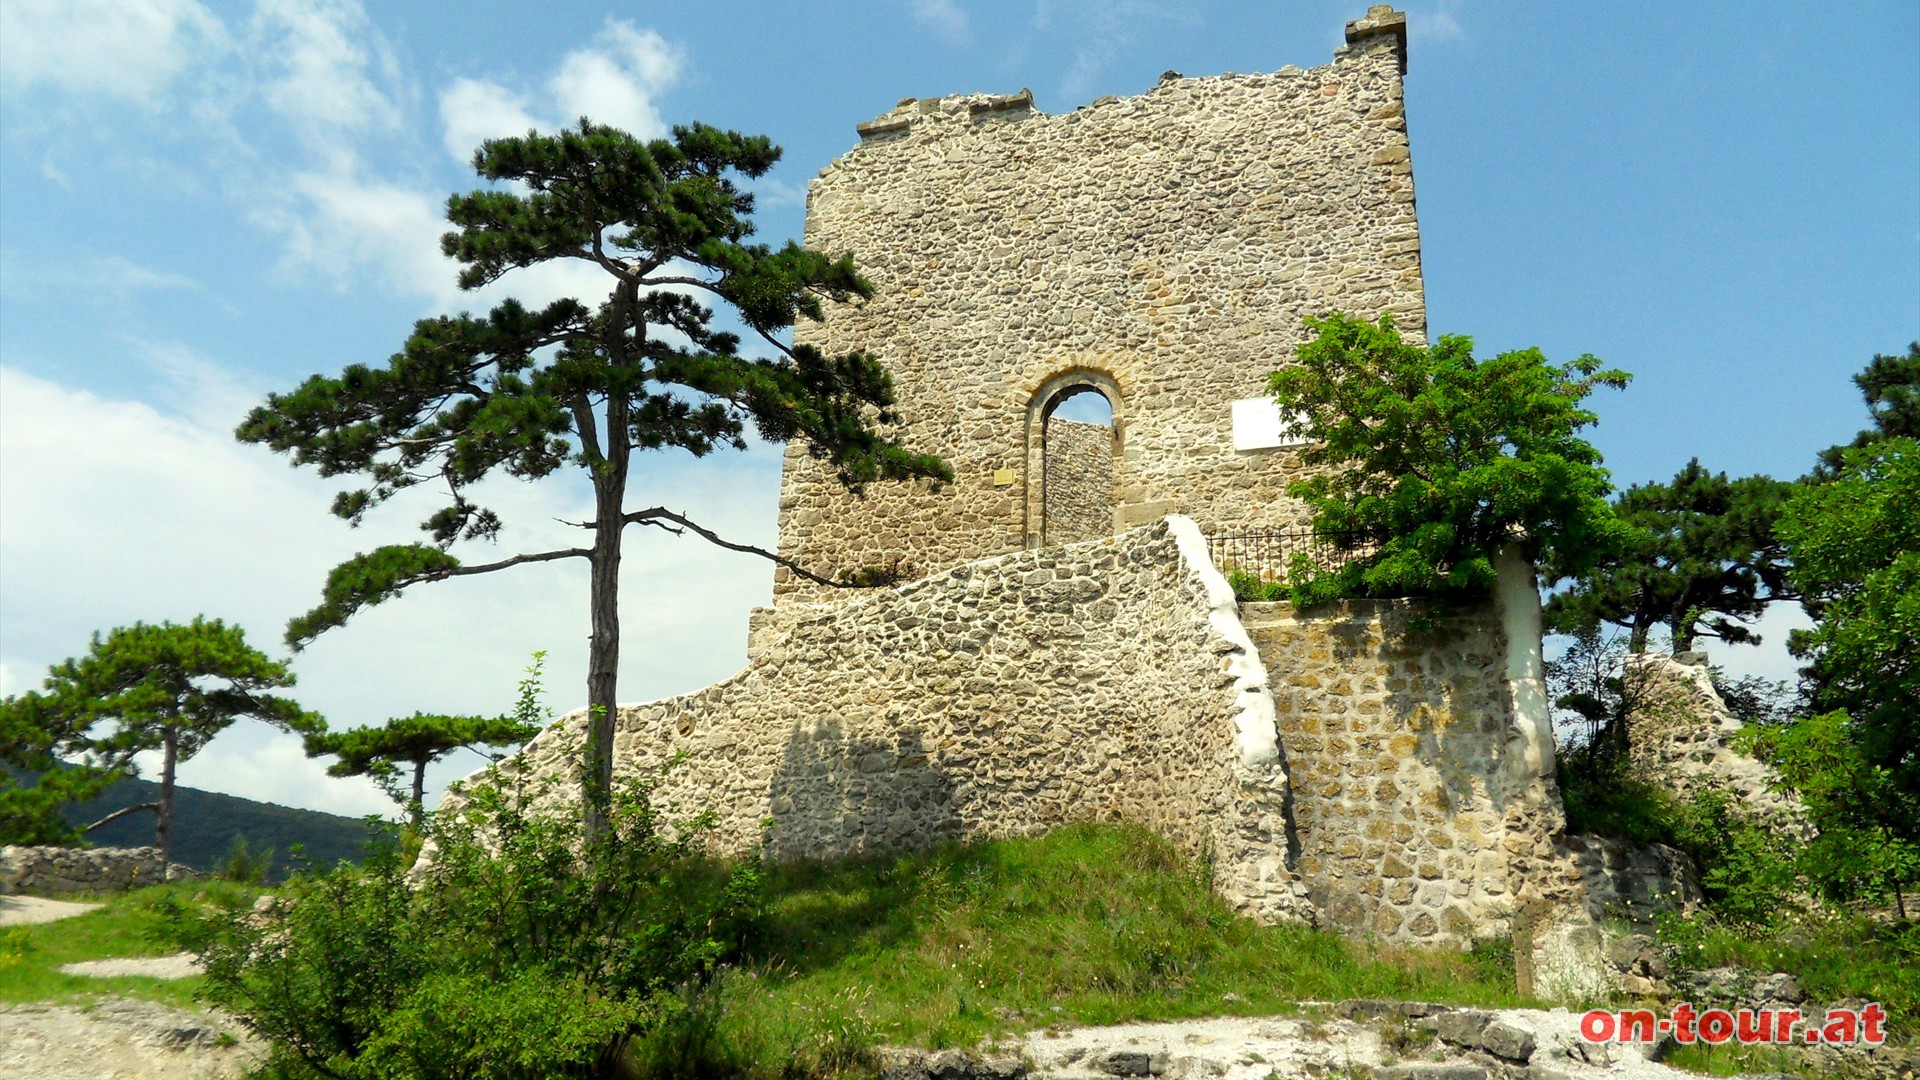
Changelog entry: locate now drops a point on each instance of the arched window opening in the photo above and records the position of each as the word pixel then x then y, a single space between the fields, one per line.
pixel 1077 450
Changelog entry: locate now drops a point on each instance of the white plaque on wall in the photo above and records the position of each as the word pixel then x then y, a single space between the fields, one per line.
pixel 1259 425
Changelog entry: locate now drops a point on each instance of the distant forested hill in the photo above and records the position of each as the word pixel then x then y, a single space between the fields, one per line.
pixel 206 822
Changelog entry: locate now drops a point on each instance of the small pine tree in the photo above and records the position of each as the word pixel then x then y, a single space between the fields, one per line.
pixel 162 687
pixel 411 743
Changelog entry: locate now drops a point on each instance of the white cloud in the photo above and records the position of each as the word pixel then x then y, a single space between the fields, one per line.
pixel 322 66
pixel 614 80
pixel 157 515
pixel 128 49
pixel 945 18
pixel 343 228
pixel 473 111
pixel 1434 25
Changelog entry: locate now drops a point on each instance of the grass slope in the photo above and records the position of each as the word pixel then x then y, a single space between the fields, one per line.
pixel 130 925
pixel 1091 924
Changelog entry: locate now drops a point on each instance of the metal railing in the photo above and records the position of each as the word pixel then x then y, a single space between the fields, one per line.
pixel 1268 554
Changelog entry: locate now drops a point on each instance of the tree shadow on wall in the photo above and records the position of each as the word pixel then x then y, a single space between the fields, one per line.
pixel 1455 707
pixel 843 808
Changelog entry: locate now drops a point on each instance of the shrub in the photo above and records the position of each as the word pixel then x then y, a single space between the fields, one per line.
pixel 245 864
pixel 521 951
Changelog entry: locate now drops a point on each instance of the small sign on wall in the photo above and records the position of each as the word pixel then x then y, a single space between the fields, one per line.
pixel 1003 478
pixel 1259 425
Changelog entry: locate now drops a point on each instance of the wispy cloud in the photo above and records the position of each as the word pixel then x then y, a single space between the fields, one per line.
pixel 1098 32
pixel 945 18
pixel 1433 24
pixel 112 279
pixel 130 50
pixel 325 71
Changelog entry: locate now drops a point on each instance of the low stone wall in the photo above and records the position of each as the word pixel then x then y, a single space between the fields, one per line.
pixel 65 871
pixel 1416 817
pixel 1103 680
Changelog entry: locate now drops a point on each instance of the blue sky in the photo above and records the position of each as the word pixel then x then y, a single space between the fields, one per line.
pixel 202 202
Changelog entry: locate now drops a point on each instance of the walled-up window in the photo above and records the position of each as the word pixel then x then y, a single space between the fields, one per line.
pixel 1077 461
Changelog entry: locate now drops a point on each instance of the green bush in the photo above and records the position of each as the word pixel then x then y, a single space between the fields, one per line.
pixel 248 865
pixel 518 952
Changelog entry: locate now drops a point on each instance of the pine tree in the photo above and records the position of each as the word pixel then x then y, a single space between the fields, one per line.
pixel 162 687
pixel 1891 385
pixel 413 742
pixel 1704 563
pixel 530 393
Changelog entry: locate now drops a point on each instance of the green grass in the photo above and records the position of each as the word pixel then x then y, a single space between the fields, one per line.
pixel 1087 925
pixel 1832 954
pixel 132 924
pixel 1733 1059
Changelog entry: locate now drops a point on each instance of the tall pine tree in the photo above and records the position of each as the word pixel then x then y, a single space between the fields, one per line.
pixel 581 385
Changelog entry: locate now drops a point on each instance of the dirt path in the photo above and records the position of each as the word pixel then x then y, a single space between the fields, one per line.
pixel 21 910
pixel 120 1040
pixel 177 966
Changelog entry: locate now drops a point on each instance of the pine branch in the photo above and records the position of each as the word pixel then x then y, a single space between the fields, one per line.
pixel 662 518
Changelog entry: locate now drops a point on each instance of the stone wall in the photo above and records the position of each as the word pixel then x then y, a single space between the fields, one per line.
pixel 1398 721
pixel 1103 680
pixel 1341 766
pixel 1682 735
pixel 66 871
pixel 1078 482
pixel 1160 249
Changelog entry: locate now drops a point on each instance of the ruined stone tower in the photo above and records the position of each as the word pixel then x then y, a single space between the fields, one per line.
pixel 1064 646
pixel 1159 251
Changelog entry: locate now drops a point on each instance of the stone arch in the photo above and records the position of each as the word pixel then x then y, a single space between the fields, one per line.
pixel 1088 468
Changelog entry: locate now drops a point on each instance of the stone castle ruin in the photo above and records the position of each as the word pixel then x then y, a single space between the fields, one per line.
pixel 1069 648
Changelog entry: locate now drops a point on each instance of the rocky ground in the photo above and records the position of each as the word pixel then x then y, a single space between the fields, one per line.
pixel 120 1039
pixel 1360 1040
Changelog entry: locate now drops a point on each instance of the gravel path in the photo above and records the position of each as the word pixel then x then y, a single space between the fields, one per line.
pixel 177 966
pixel 120 1040
pixel 20 910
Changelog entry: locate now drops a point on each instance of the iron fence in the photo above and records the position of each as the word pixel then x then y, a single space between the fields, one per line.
pixel 1267 555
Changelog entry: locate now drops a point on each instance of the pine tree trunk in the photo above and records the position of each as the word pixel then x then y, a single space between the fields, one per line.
pixel 170 746
pixel 419 806
pixel 609 504
pixel 603 660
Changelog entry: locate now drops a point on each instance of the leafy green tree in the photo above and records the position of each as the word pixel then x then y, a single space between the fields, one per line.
pixel 30 749
pixel 414 742
pixel 1855 544
pixel 164 687
pixel 1704 563
pixel 512 956
pixel 530 393
pixel 1433 459
pixel 1891 385
pixel 1864 846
